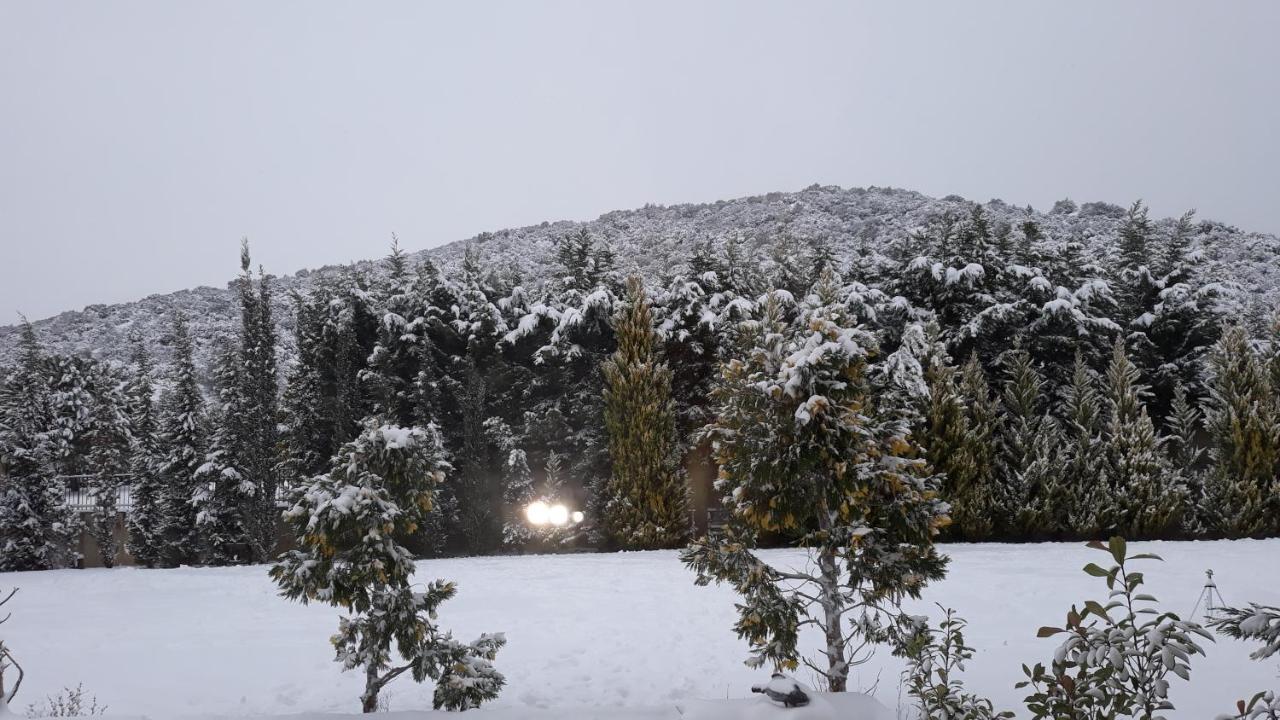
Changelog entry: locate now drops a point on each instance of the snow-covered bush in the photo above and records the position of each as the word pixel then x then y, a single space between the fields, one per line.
pixel 349 522
pixel 1117 657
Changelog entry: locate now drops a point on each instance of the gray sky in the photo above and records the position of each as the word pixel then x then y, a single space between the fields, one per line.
pixel 140 140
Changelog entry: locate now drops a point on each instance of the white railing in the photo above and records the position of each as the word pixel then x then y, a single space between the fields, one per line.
pixel 82 498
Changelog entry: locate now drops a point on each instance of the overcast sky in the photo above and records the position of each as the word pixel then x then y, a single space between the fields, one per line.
pixel 140 141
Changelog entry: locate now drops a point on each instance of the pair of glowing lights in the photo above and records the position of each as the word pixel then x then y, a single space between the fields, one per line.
pixel 541 514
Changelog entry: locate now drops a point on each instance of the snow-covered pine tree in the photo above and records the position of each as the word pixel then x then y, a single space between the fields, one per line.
pixel 348 522
pixel 1185 321
pixel 1149 504
pixel 646 506
pixel 182 447
pixel 1030 446
pixel 224 498
pixel 37 531
pixel 259 393
pixel 517 485
pixel 1240 417
pixel 478 380
pixel 562 397
pixel 145 518
pixel 805 446
pixel 393 365
pixel 1086 504
pixel 108 457
pixel 306 426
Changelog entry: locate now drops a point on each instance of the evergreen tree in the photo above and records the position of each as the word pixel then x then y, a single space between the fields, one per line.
pixel 381 486
pixel 646 504
pixel 145 518
pixel 1030 448
pixel 109 456
pixel 974 507
pixel 1086 506
pixel 1185 454
pixel 224 497
pixel 37 530
pixel 258 394
pixel 805 446
pixel 1241 422
pixel 1149 504
pixel 182 444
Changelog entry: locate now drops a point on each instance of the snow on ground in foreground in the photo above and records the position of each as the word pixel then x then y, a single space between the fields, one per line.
pixel 602 630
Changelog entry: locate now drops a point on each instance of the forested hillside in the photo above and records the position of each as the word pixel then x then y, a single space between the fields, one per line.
pixel 992 372
pixel 656 240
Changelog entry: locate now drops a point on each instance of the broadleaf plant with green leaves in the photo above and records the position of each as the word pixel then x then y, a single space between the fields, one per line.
pixel 1117 656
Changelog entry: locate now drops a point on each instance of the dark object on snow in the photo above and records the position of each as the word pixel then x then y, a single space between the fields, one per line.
pixel 783 689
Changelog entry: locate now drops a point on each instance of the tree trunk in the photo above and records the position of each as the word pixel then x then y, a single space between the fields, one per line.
pixel 833 615
pixel 372 684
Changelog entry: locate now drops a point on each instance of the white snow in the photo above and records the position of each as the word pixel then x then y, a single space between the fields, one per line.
pixel 604 631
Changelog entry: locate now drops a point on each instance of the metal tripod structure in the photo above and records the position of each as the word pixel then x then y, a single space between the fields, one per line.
pixel 1210 596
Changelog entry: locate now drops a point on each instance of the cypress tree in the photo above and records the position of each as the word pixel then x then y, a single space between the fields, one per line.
pixel 646 505
pixel 258 394
pixel 1030 447
pixel 1240 420
pixel 1087 505
pixel 1183 447
pixel 1149 503
pixel 975 506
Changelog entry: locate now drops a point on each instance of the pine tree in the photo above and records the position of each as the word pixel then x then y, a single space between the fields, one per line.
pixel 145 518
pixel 805 446
pixel 646 505
pixel 1149 503
pixel 183 443
pixel 109 455
pixel 381 486
pixel 37 531
pixel 1240 420
pixel 225 499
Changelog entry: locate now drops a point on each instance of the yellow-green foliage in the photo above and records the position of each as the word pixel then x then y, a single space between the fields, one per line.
pixel 646 505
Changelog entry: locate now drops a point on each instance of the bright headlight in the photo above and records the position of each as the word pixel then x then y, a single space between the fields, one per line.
pixel 537 513
pixel 577 516
pixel 558 515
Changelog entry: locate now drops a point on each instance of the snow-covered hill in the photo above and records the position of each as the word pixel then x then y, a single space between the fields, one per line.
pixel 656 239
pixel 621 630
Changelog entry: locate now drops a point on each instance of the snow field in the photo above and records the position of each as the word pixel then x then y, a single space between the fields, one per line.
pixel 603 631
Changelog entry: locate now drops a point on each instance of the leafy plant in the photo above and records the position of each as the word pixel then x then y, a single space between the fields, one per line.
pixel 935 660
pixel 1116 658
pixel 1258 622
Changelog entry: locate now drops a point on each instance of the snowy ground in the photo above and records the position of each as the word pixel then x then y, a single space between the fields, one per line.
pixel 606 631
